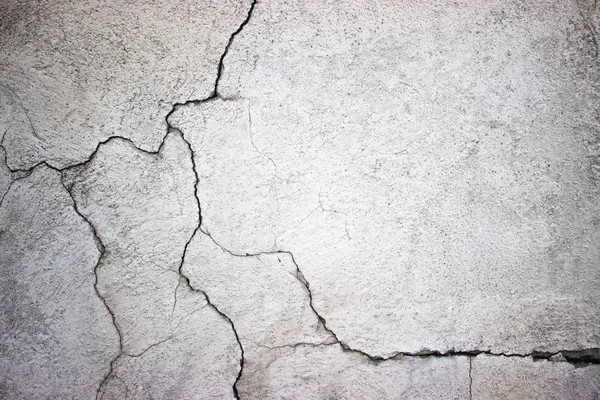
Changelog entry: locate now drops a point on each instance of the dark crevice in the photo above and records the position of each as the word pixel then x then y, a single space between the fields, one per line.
pixel 298 345
pixel 471 378
pixel 215 93
pixel 186 279
pixel 22 173
pixel 579 357
pixel 102 250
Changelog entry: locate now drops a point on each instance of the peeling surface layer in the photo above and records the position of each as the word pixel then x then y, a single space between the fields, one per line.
pixel 258 199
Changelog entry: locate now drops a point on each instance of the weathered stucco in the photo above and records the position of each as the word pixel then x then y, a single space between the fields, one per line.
pixel 310 200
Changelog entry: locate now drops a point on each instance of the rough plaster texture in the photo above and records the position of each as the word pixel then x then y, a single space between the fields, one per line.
pixel 522 378
pixel 74 74
pixel 275 199
pixel 56 335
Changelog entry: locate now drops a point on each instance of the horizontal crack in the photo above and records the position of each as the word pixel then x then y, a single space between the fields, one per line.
pixel 584 356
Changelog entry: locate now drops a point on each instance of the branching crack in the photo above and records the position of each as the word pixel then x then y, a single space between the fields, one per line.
pixel 585 356
pixel 102 250
pixel 187 279
pixel 215 93
pixel 213 96
pixel 22 173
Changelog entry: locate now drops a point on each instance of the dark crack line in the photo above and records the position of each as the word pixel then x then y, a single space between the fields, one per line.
pixel 213 96
pixel 223 315
pixel 102 250
pixel 471 378
pixel 12 178
pixel 585 356
pixel 27 172
pixel 215 93
pixel 237 338
pixel 10 185
pixel 138 355
pixel 186 279
pixel 99 245
pixel 233 35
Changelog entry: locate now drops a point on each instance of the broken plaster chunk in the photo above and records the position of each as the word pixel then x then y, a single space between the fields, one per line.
pixel 327 372
pixel 80 73
pixel 457 146
pixel 200 358
pixel 237 181
pixel 499 377
pixel 57 337
pixel 263 296
pixel 144 211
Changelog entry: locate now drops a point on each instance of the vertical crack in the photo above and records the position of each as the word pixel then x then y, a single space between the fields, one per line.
pixel 186 279
pixel 102 250
pixel 471 377
pixel 231 38
pixel 214 95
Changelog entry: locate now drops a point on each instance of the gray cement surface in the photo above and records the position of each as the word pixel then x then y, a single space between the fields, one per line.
pixel 300 200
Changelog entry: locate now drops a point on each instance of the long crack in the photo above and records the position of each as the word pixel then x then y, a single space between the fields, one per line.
pixel 99 244
pixel 102 250
pixel 214 95
pixel 471 378
pixel 22 173
pixel 186 279
pixel 585 356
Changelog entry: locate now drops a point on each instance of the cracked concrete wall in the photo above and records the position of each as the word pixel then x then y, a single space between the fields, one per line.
pixel 272 199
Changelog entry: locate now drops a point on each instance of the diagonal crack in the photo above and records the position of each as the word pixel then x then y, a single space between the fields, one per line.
pixel 101 249
pixel 187 279
pixel 214 95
